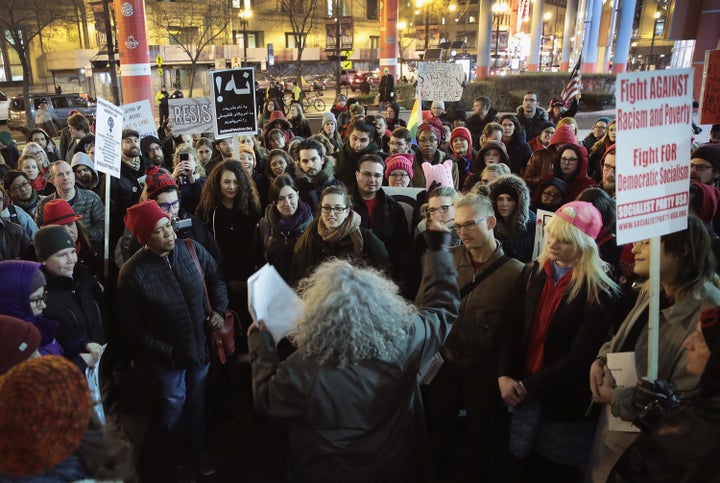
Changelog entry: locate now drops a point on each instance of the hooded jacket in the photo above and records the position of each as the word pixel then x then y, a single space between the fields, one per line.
pixel 579 180
pixel 541 162
pixel 517 232
pixel 81 161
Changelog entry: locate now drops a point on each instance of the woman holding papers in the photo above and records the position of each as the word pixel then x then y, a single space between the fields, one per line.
pixel 336 233
pixel 350 392
pixel 286 219
pixel 562 318
pixel 686 278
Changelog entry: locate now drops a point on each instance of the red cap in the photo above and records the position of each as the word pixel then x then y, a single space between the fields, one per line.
pixel 59 212
pixel 142 218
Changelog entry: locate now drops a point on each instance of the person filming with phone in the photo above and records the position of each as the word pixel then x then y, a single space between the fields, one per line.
pixel 189 176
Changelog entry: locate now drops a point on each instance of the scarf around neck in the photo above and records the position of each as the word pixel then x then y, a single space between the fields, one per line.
pixel 350 227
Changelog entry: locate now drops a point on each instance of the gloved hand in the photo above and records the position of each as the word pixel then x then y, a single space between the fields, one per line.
pixel 214 322
pixel 653 400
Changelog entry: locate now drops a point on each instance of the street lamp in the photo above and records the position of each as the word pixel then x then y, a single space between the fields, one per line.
pixel 656 16
pixel 498 9
pixel 245 16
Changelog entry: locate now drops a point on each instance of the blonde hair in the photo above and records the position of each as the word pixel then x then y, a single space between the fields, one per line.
pixel 589 269
pixel 570 121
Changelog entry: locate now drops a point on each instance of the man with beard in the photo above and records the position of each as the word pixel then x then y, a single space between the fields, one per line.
pixel 705 164
pixel 380 212
pixel 531 116
pixel 152 148
pixel 85 174
pixel 125 190
pixel 313 172
pixel 224 148
pixel 607 167
pixel 359 143
pixel 483 113
pixel 400 141
pixel 83 202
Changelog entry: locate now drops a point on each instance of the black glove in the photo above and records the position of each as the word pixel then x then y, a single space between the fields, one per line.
pixel 653 400
pixel 437 240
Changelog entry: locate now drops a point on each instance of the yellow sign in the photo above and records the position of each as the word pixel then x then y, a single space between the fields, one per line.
pixel 347 64
pixel 160 71
pixel 159 60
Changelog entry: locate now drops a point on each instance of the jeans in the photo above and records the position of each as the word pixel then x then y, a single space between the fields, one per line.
pixel 182 402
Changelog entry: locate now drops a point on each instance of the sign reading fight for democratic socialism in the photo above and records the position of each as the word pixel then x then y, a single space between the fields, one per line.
pixel 440 82
pixel 108 137
pixel 191 115
pixel 233 100
pixel 654 115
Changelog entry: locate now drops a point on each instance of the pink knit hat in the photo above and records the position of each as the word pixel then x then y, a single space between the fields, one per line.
pixel 402 161
pixel 582 215
pixel 440 174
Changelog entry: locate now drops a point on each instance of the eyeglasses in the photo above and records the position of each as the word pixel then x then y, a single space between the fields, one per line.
pixel 427 140
pixel 399 175
pixel 469 225
pixel 168 207
pixel 369 175
pixel 20 186
pixel 700 167
pixel 600 126
pixel 551 195
pixel 39 301
pixel 568 160
pixel 335 209
pixel 442 209
pixel 608 167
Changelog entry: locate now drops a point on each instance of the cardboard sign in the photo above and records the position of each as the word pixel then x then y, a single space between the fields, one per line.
pixel 233 101
pixel 191 115
pixel 108 137
pixel 440 81
pixel 654 115
pixel 710 93
pixel 139 116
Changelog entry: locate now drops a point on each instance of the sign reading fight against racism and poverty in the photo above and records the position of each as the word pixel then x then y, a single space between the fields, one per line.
pixel 233 100
pixel 440 82
pixel 654 114
pixel 191 115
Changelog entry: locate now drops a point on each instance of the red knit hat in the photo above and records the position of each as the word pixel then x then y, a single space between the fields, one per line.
pixel 45 408
pixel 142 218
pixel 59 212
pixel 18 341
pixel 156 181
pixel 402 161
pixel 462 132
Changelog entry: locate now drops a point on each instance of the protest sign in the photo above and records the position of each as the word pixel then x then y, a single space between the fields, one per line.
pixel 710 93
pixel 654 115
pixel 108 137
pixel 233 100
pixel 191 115
pixel 139 117
pixel 440 81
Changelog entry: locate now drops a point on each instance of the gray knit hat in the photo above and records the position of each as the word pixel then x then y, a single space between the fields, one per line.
pixel 328 117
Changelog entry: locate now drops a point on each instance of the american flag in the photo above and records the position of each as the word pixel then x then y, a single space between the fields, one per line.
pixel 573 86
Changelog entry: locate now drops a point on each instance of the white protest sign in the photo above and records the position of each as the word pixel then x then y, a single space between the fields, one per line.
pixel 543 216
pixel 108 137
pixel 440 82
pixel 191 115
pixel 139 117
pixel 654 115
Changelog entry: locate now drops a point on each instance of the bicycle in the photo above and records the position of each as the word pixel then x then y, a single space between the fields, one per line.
pixel 316 102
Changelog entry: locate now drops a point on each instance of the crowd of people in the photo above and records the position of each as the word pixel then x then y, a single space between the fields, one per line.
pixel 436 340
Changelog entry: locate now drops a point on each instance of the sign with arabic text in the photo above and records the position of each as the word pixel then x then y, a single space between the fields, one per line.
pixel 233 101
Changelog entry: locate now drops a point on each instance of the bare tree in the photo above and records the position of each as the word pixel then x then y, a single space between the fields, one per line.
pixel 302 20
pixel 23 20
pixel 193 26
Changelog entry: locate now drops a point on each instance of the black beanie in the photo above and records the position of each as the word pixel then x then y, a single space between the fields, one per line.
pixel 710 153
pixel 51 239
pixel 145 144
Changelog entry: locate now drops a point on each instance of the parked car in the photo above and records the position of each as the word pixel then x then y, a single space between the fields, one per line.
pixel 362 82
pixel 4 105
pixel 329 81
pixel 347 77
pixel 59 106
pixel 289 83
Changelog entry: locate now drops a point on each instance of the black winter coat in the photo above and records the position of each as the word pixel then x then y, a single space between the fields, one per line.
pixel 161 304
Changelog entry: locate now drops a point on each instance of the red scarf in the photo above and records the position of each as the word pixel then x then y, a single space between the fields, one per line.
pixel 39 183
pixel 550 298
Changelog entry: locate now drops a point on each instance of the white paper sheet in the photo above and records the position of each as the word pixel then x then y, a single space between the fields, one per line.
pixel 272 300
pixel 622 368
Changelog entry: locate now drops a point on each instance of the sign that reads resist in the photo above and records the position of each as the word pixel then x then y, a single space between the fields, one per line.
pixel 654 116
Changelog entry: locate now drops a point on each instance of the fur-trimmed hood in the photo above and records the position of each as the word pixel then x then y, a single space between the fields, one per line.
pixel 325 174
pixel 517 189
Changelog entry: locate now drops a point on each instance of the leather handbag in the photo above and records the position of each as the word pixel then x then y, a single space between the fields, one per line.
pixel 222 340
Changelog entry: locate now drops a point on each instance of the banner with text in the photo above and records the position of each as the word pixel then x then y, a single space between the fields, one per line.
pixel 139 116
pixel 191 115
pixel 654 115
pixel 108 137
pixel 710 92
pixel 233 101
pixel 440 81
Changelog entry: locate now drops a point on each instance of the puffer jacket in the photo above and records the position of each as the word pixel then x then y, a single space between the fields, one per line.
pixel 161 304
pixel 88 204
pixel 532 125
pixel 542 162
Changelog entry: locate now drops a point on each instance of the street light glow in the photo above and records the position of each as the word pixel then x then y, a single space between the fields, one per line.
pixel 499 7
